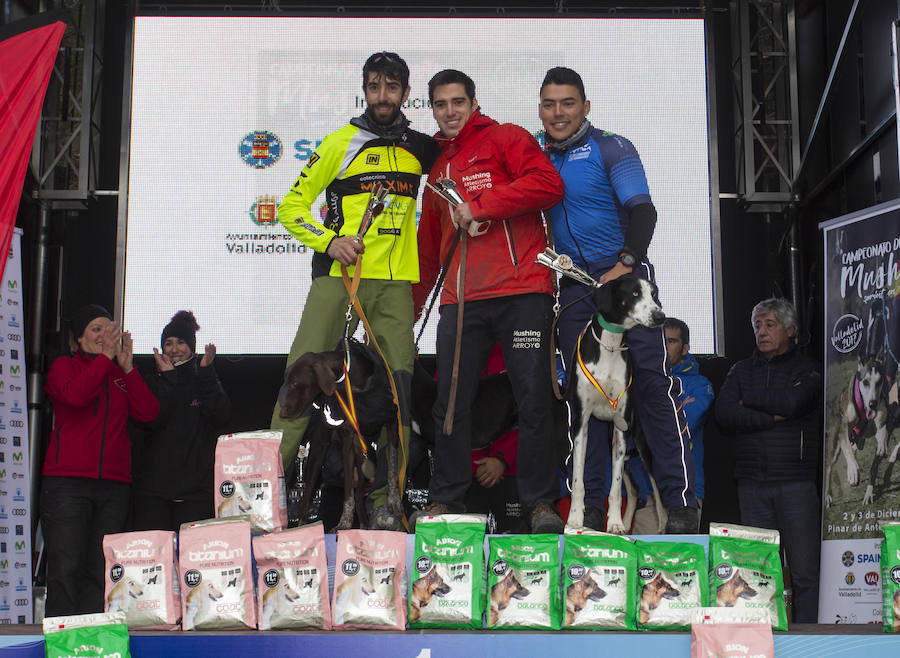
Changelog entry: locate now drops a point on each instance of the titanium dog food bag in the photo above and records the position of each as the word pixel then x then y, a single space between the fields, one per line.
pixel 249 479
pixel 745 571
pixel 94 635
pixel 523 581
pixel 216 569
pixel 368 580
pixel 447 583
pixel 599 581
pixel 142 579
pixel 890 577
pixel 292 579
pixel 672 584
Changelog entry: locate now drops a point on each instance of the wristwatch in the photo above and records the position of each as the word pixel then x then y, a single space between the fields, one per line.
pixel 626 257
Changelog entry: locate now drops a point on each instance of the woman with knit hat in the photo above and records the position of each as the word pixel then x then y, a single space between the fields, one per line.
pixel 173 479
pixel 85 489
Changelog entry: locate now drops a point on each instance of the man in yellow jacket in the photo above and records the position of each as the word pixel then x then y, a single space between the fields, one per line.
pixel 376 147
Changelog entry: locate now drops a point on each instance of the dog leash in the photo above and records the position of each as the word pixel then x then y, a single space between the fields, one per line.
pixel 437 286
pixel 460 299
pixel 562 396
pixel 352 288
pixel 587 373
pixel 349 409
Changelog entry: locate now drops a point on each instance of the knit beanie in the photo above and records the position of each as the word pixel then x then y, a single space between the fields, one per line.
pixel 184 326
pixel 81 318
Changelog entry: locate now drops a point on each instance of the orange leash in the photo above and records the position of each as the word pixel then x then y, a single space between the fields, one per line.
pixel 352 288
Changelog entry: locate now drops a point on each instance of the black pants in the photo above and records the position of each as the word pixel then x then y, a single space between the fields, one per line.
pixel 502 499
pixel 75 515
pixel 521 324
pixel 158 513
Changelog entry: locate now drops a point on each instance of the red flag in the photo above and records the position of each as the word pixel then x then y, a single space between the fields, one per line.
pixel 26 61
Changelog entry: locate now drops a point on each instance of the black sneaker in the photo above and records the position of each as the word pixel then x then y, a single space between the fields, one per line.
pixel 432 509
pixel 594 518
pixel 683 521
pixel 545 520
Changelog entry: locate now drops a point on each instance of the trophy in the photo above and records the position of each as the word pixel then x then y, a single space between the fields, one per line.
pixel 563 264
pixel 378 201
pixel 446 189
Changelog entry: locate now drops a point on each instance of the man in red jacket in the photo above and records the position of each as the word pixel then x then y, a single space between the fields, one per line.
pixel 505 181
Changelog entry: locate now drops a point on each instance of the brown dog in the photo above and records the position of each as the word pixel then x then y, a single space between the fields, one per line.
pixel 318 378
pixel 652 593
pixel 503 592
pixel 579 593
pixel 431 584
pixel 728 593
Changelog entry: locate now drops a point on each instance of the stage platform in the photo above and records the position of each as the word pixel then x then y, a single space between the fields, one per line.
pixel 801 641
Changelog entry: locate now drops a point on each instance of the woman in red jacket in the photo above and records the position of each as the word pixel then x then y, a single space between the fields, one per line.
pixel 86 482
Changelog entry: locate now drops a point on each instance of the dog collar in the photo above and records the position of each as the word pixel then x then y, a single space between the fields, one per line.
pixel 614 328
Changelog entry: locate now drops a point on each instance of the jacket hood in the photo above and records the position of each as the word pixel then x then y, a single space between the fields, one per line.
pixel 476 122
pixel 391 132
pixel 687 366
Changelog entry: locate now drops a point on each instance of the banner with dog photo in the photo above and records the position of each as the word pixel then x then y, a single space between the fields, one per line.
pixel 862 344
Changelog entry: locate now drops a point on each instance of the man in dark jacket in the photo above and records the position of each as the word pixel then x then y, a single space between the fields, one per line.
pixel 771 402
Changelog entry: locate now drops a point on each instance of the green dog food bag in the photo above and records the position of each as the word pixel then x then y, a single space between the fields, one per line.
pixel 446 588
pixel 890 577
pixel 523 581
pixel 599 581
pixel 672 582
pixel 96 635
pixel 745 571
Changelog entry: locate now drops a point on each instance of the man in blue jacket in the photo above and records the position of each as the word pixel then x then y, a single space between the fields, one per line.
pixel 605 223
pixel 771 401
pixel 697 396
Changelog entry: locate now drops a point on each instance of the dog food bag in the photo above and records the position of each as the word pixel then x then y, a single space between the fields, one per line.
pixel 368 580
pixel 216 569
pixel 292 580
pixel 142 579
pixel 95 635
pixel 890 577
pixel 745 571
pixel 523 581
pixel 672 584
pixel 732 640
pixel 714 615
pixel 447 583
pixel 599 581
pixel 249 479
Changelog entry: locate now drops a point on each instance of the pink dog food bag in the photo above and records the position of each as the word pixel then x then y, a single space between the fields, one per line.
pixel 368 575
pixel 142 579
pixel 249 479
pixel 216 571
pixel 292 574
pixel 732 641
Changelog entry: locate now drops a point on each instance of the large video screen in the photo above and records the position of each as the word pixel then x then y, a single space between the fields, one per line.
pixel 227 110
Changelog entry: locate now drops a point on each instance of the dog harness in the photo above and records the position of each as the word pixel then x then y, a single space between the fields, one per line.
pixel 587 373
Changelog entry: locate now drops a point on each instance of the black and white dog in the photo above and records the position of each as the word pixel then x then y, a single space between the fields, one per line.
pixel 601 377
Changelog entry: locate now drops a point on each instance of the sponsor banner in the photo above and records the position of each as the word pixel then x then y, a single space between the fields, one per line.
pixel 861 488
pixel 850 584
pixel 15 486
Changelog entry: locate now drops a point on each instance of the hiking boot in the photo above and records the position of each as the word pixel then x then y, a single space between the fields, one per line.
pixel 545 520
pixel 683 521
pixel 383 519
pixel 432 509
pixel 594 518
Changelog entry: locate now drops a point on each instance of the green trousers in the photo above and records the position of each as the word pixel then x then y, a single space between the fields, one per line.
pixel 389 308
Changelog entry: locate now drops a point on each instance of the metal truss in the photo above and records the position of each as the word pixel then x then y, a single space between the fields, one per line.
pixel 64 156
pixel 764 75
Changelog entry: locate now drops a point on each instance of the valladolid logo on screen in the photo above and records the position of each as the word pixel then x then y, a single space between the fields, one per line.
pixel 260 149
